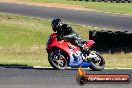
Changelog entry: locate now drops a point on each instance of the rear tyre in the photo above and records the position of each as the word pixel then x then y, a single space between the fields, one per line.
pixel 98 65
pixel 57 59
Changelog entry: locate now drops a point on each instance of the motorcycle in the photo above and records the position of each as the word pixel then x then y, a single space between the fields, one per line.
pixel 62 54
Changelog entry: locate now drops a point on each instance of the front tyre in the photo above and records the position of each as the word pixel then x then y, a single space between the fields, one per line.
pixel 99 64
pixel 57 59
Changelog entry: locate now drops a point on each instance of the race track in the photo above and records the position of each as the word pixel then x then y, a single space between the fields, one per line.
pixel 49 78
pixel 89 18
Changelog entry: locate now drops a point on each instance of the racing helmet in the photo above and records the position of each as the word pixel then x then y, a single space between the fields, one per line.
pixel 56 24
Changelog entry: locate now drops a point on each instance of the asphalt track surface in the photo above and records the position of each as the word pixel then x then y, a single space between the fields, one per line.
pixel 48 78
pixel 88 18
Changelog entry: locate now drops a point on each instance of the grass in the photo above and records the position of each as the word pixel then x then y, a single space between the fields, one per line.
pixel 125 8
pixel 118 60
pixel 23 40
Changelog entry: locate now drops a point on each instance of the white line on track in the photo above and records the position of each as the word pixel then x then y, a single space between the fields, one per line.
pixel 77 68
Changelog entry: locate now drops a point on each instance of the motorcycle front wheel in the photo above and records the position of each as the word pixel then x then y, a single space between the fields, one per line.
pixel 98 65
pixel 57 59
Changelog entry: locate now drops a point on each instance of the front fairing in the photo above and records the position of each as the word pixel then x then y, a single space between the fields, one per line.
pixel 51 40
pixel 65 46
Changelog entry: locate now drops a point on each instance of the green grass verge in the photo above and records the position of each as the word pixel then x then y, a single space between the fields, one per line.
pixel 118 60
pixel 23 40
pixel 125 8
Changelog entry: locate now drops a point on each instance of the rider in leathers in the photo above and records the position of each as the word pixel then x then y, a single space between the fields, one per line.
pixel 65 32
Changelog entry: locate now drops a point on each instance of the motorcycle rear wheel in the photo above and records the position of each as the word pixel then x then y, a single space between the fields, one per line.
pixel 101 63
pixel 57 59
